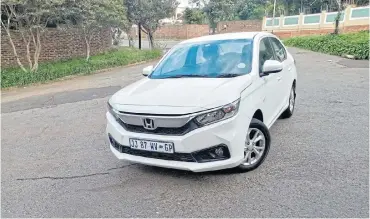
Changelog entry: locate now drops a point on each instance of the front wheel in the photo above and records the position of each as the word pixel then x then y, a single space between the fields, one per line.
pixel 256 147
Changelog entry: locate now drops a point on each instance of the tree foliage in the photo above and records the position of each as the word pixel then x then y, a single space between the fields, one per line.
pixel 219 10
pixel 93 15
pixel 337 18
pixel 249 9
pixel 29 19
pixel 148 13
pixel 194 16
pixel 362 2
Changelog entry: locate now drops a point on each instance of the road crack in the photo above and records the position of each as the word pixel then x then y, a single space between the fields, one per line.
pixel 74 177
pixel 115 168
pixel 64 177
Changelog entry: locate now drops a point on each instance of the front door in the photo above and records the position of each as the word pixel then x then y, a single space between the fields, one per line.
pixel 272 82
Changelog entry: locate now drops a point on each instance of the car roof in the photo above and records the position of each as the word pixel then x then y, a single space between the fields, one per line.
pixel 225 36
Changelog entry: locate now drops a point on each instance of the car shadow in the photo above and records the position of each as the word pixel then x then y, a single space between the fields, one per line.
pixel 183 173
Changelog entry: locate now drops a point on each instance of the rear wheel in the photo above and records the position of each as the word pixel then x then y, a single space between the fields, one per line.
pixel 289 111
pixel 256 147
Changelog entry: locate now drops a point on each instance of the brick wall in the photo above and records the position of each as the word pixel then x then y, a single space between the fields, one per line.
pixel 356 28
pixel 293 33
pixel 239 26
pixel 184 31
pixel 187 31
pixel 56 44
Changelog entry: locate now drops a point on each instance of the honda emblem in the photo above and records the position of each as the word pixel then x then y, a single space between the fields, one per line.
pixel 148 124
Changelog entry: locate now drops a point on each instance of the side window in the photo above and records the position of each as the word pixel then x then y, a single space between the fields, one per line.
pixel 265 52
pixel 200 59
pixel 279 49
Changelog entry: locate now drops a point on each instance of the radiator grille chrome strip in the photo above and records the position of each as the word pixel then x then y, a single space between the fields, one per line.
pixel 161 121
pixel 170 122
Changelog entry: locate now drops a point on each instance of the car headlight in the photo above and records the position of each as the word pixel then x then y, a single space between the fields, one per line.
pixel 222 113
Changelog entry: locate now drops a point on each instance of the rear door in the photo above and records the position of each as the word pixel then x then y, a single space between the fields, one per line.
pixel 285 78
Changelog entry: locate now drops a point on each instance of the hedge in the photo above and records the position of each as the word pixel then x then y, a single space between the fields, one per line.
pixel 78 66
pixel 356 44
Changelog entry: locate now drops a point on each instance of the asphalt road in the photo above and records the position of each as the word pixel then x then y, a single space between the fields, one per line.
pixel 55 162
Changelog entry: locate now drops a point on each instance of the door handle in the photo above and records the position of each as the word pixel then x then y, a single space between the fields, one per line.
pixel 279 78
pixel 290 68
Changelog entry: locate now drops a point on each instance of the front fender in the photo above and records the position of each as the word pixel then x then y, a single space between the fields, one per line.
pixel 252 99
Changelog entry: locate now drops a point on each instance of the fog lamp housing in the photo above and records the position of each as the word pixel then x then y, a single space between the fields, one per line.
pixel 215 153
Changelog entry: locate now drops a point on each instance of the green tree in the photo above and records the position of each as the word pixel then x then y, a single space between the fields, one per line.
pixel 279 9
pixel 92 15
pixel 194 16
pixel 291 7
pixel 361 2
pixel 219 10
pixel 29 18
pixel 148 13
pixel 249 9
pixel 127 29
pixel 337 18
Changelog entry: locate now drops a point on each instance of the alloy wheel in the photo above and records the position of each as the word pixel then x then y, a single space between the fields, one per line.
pixel 254 148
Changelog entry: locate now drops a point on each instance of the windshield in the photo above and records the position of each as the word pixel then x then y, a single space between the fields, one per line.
pixel 220 58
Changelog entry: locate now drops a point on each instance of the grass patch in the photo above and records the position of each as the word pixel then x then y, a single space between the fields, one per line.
pixel 356 44
pixel 78 66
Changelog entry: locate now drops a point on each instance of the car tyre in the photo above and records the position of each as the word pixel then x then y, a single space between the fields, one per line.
pixel 256 146
pixel 289 111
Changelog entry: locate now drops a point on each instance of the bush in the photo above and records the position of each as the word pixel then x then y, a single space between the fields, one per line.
pixel 78 66
pixel 356 44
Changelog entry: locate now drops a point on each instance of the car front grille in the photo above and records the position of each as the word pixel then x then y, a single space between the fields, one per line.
pixel 185 157
pixel 191 125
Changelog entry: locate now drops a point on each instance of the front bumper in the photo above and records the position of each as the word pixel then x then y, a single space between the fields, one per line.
pixel 230 132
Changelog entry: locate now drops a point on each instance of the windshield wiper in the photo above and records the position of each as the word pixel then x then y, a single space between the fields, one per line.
pixel 186 76
pixel 230 75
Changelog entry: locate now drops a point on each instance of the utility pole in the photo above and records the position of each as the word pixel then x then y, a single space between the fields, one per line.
pixel 273 17
pixel 139 29
pixel 301 6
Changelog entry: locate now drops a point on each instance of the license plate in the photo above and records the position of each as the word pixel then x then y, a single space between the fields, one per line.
pixel 155 146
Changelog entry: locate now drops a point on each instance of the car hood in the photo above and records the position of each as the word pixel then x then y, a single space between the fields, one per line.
pixel 178 95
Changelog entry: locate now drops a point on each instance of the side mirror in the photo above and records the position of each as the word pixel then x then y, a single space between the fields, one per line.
pixel 147 70
pixel 272 66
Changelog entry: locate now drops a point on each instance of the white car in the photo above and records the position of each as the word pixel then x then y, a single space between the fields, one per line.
pixel 207 105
